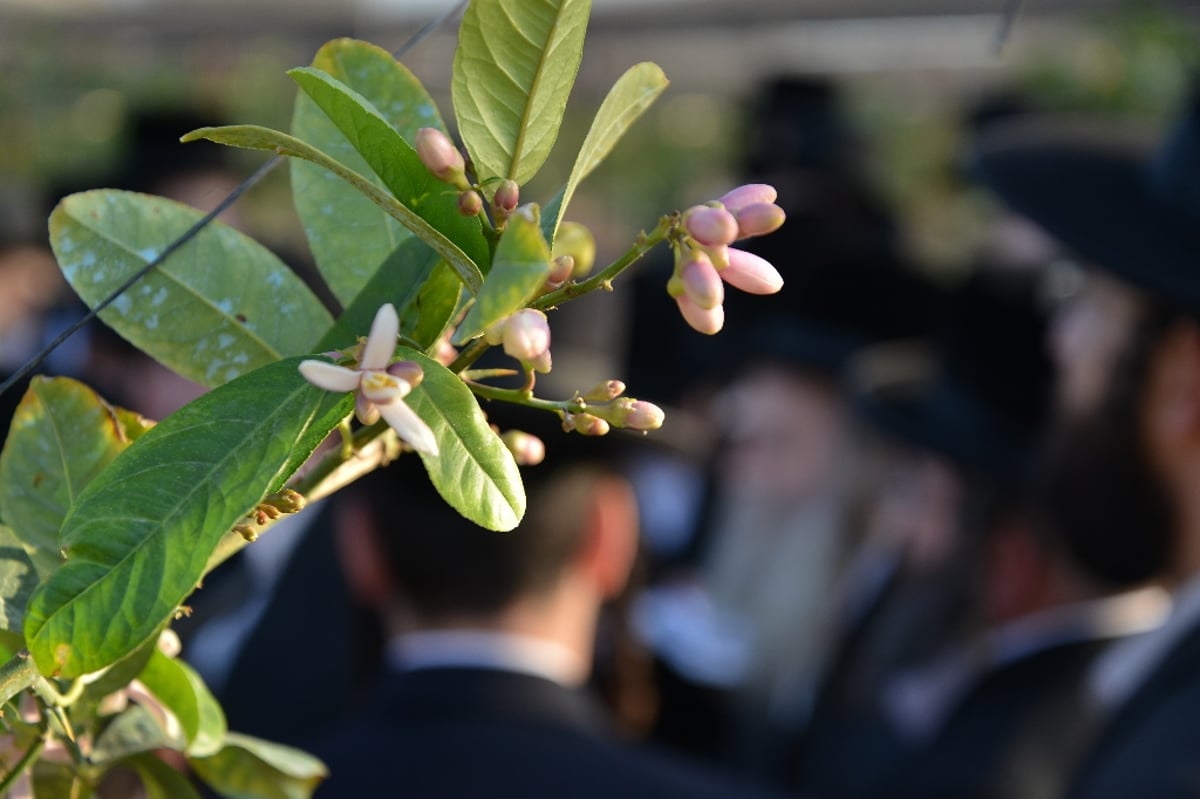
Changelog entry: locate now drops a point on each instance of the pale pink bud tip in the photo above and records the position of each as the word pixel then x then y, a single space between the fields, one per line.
pixel 507 197
pixel 470 203
pixel 561 268
pixel 439 155
pixel 527 335
pixel 704 320
pixel 408 371
pixel 751 274
pixel 701 283
pixel 749 194
pixel 759 219
pixel 710 226
pixel 527 450
pixel 586 424
pixel 643 415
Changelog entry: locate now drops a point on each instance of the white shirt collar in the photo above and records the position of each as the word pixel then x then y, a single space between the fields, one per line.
pixel 487 649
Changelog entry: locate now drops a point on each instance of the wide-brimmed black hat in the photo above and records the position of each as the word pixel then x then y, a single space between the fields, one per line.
pixel 1124 202
pixel 980 393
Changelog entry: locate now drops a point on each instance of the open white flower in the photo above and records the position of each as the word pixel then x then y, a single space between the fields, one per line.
pixel 381 387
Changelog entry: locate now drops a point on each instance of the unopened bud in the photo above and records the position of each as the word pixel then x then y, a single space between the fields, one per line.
pixel 287 500
pixel 408 371
pixel 577 241
pixel 526 449
pixel 701 283
pixel 759 219
pixel 561 269
pixel 506 198
pixel 704 320
pixel 751 274
pixel 470 203
pixel 169 643
pixel 642 415
pixel 542 363
pixel 365 411
pixel 444 352
pixel 710 226
pixel 605 392
pixel 749 194
pixel 526 334
pixel 441 157
pixel 585 424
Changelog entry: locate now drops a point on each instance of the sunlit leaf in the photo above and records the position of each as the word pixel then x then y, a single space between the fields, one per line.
pixel 184 693
pixel 140 534
pixel 62 436
pixel 349 235
pixel 220 306
pixel 258 138
pixel 630 96
pixel 513 71
pixel 135 730
pixel 474 472
pixel 249 768
pixel 519 271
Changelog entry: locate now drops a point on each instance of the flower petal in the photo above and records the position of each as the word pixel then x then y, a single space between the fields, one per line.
pixel 330 376
pixel 708 321
pixel 410 427
pixel 381 342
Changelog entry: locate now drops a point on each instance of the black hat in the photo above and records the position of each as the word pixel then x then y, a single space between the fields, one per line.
pixel 1117 200
pixel 981 395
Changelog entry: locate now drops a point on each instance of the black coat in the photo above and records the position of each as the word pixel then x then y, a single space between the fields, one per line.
pixel 477 732
pixel 1150 747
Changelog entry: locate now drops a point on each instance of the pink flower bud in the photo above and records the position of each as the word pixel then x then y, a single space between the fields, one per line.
pixel 508 195
pixel 749 194
pixel 444 352
pixel 640 415
pixel 365 411
pixel 527 335
pixel 750 273
pixel 408 371
pixel 527 450
pixel 707 321
pixel 561 268
pixel 701 283
pixel 585 424
pixel 542 363
pixel 759 219
pixel 604 392
pixel 710 226
pixel 441 157
pixel 470 203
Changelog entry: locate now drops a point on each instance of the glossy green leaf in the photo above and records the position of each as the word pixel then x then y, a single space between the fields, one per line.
pixel 184 693
pixel 140 534
pixel 628 99
pixel 220 306
pixel 395 161
pixel 159 780
pixel 62 436
pixel 474 472
pixel 519 272
pixel 135 730
pixel 349 235
pixel 18 578
pixel 254 137
pixel 249 768
pixel 513 71
pixel 417 282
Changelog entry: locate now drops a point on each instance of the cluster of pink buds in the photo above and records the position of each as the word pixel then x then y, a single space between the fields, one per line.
pixel 442 158
pixel 705 261
pixel 525 336
pixel 603 408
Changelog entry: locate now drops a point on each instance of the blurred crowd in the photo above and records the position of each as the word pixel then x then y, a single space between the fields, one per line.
pixel 904 533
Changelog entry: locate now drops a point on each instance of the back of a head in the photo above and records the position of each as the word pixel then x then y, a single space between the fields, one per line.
pixel 444 566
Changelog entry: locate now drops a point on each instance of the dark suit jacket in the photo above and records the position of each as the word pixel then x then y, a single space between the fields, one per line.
pixel 477 732
pixel 1150 748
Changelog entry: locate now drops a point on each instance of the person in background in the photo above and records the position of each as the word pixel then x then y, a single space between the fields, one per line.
pixel 1121 477
pixel 492 638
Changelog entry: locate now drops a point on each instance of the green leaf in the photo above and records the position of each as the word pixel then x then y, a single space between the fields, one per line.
pixel 18 578
pixel 519 271
pixel 415 280
pixel 474 472
pixel 513 71
pixel 254 137
pixel 249 768
pixel 135 730
pixel 159 780
pixel 349 235
pixel 220 306
pixel 184 693
pixel 394 160
pixel 62 436
pixel 140 534
pixel 628 99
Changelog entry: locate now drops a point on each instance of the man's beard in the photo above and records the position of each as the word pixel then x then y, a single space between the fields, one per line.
pixel 1100 496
